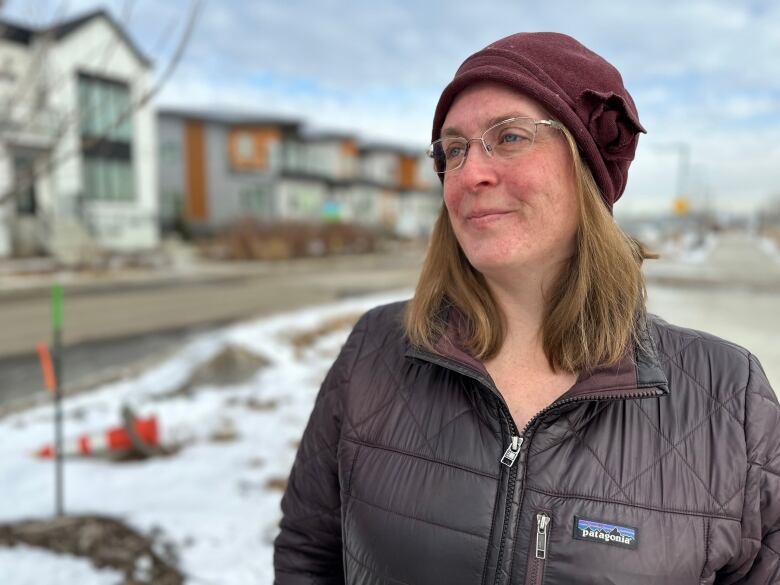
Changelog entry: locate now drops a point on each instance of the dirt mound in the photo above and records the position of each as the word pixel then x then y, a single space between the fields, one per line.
pixel 105 541
pixel 230 366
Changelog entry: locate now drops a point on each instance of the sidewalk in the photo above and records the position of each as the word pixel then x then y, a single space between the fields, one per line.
pixel 33 277
pixel 735 261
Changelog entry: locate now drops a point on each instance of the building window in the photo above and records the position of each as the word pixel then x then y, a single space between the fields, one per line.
pixel 245 146
pixel 305 202
pixel 106 138
pixel 108 179
pixel 104 108
pixel 255 198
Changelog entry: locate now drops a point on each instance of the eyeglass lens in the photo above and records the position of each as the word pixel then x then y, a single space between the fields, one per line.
pixel 504 140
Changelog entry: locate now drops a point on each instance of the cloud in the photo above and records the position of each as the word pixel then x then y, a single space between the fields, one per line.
pixel 704 72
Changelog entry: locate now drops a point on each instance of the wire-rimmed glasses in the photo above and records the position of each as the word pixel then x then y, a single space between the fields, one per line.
pixel 506 139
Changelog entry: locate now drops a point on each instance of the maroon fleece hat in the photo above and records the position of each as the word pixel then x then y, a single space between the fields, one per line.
pixel 579 89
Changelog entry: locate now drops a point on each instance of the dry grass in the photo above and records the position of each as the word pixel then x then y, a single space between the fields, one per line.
pixel 253 240
pixel 276 484
pixel 225 432
pixel 302 340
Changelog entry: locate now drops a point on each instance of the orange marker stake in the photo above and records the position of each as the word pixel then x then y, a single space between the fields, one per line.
pixel 47 367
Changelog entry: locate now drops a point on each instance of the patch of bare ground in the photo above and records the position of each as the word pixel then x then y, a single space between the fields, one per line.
pixel 302 340
pixel 253 403
pixel 276 484
pixel 106 542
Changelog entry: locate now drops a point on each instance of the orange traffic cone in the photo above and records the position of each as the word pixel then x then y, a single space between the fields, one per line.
pixel 114 441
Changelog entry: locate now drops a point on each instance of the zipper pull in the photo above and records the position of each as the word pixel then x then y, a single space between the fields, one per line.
pixel 542 524
pixel 511 453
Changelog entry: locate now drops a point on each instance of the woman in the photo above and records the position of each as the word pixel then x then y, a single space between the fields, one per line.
pixel 522 419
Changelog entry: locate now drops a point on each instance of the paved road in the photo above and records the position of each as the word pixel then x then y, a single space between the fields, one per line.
pixel 97 312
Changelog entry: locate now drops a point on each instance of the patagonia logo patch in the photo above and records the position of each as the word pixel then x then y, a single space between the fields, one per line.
pixel 605 532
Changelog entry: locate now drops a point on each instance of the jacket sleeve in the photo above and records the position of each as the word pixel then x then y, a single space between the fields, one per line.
pixel 308 548
pixel 760 564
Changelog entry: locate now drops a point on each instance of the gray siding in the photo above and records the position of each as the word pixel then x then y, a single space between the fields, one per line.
pixel 171 169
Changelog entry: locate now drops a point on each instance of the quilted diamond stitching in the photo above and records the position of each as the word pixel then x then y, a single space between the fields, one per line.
pixel 399 392
pixel 682 457
pixel 698 384
pixel 378 410
pixel 372 415
pixel 678 353
pixel 735 494
pixel 441 430
pixel 310 456
pixel 554 444
pixel 685 436
pixel 592 452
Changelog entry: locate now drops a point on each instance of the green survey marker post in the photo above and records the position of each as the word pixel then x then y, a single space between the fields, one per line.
pixel 56 326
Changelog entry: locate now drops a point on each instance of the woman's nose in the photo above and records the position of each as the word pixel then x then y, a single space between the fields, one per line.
pixel 478 167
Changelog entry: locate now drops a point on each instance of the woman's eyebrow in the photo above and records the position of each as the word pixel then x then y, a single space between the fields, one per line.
pixel 455 131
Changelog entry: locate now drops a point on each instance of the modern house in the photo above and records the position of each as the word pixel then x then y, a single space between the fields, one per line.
pixel 77 153
pixel 216 169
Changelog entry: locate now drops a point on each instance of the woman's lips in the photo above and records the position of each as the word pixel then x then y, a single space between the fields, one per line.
pixel 485 217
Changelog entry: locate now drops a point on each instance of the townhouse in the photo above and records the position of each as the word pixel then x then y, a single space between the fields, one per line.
pixel 77 154
pixel 217 168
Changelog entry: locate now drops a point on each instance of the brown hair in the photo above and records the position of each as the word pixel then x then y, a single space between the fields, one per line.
pixel 591 311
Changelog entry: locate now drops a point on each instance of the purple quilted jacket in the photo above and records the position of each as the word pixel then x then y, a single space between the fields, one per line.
pixel 662 470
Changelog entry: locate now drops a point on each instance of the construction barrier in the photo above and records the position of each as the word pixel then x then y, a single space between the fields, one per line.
pixel 115 441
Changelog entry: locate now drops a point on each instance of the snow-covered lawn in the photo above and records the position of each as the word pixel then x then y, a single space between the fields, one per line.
pixel 25 565
pixel 216 500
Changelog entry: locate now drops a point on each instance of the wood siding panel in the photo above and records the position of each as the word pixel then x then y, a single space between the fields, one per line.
pixel 196 204
pixel 407 172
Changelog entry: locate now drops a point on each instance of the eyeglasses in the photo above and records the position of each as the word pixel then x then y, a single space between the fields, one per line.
pixel 506 139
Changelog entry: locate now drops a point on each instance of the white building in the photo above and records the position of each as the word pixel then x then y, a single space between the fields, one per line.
pixel 77 156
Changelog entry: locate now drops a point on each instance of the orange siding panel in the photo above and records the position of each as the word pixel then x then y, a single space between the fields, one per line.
pixel 349 148
pixel 196 205
pixel 407 171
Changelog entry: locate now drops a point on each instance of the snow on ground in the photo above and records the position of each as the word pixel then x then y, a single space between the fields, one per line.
pixel 25 565
pixel 217 501
pixel 690 248
pixel 770 247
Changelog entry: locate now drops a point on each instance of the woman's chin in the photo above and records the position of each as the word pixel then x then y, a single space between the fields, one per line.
pixel 488 263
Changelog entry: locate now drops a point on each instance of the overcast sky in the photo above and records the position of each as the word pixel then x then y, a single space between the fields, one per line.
pixel 704 73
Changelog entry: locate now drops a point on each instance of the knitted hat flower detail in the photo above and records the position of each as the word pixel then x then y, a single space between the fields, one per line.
pixel 613 126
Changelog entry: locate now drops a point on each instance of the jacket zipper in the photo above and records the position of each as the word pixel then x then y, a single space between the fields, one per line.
pixel 510 455
pixel 519 437
pixel 513 450
pixel 542 526
pixel 537 555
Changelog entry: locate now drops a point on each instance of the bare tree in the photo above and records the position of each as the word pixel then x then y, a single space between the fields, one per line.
pixel 73 118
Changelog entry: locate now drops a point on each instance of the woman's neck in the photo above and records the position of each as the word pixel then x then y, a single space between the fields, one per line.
pixel 522 299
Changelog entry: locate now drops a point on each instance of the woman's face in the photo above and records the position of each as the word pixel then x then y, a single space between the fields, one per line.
pixel 511 216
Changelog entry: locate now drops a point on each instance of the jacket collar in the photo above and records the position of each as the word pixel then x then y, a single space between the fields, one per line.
pixel 638 369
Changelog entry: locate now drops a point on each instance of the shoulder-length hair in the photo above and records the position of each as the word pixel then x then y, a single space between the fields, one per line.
pixel 591 310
